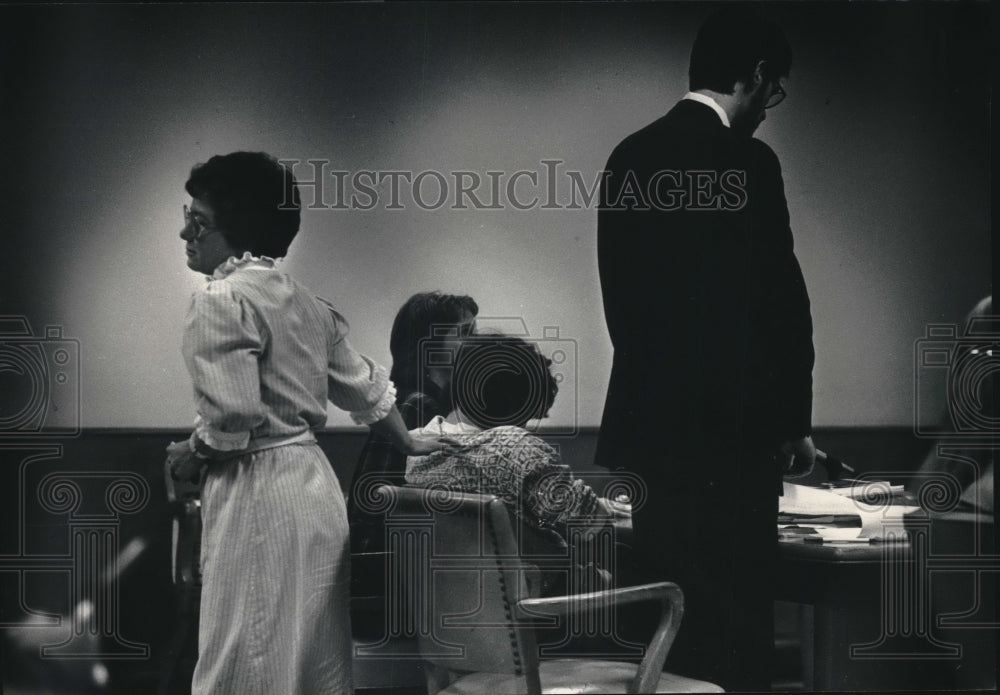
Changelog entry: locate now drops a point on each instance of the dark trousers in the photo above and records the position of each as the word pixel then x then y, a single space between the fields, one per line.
pixel 712 532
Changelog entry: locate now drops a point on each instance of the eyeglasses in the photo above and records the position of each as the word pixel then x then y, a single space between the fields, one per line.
pixel 196 222
pixel 777 96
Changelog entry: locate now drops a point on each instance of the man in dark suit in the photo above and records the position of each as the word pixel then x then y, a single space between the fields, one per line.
pixel 711 387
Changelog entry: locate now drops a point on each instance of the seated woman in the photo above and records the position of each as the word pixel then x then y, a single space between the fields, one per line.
pixel 426 320
pixel 422 391
pixel 500 384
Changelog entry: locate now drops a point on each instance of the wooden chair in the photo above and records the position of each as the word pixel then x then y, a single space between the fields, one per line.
pixel 184 499
pixel 455 561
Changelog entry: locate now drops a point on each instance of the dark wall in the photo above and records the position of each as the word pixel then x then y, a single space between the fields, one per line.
pixel 146 604
pixel 38 519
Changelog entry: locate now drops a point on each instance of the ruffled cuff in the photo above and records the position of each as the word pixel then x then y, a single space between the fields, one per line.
pixel 217 439
pixel 379 410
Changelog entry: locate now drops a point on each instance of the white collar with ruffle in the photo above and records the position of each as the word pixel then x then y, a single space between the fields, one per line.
pixel 247 260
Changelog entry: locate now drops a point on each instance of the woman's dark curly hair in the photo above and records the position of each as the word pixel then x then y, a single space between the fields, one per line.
pixel 255 200
pixel 502 380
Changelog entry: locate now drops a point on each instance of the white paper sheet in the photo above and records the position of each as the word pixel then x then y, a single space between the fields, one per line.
pixel 877 521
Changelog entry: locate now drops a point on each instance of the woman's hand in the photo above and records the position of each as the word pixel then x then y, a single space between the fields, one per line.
pixel 183 464
pixel 423 447
pixel 392 428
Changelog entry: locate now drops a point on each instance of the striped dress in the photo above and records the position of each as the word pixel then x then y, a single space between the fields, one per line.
pixel 264 356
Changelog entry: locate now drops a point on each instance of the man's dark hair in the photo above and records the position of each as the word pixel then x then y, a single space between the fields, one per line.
pixel 417 320
pixel 502 380
pixel 255 200
pixel 730 44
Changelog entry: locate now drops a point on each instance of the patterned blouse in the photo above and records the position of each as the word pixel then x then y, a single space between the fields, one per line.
pixel 513 464
pixel 264 355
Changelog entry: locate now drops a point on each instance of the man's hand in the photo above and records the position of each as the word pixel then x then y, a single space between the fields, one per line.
pixel 183 464
pixel 798 457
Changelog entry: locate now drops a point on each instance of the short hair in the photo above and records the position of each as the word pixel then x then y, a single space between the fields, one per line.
pixel 415 321
pixel 255 200
pixel 730 44
pixel 502 380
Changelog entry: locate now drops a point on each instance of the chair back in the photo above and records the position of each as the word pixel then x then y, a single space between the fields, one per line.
pixel 455 559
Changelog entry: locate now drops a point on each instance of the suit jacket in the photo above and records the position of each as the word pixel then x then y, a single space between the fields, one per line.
pixel 703 296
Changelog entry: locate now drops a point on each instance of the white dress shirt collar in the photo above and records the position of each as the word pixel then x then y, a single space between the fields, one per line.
pixel 710 102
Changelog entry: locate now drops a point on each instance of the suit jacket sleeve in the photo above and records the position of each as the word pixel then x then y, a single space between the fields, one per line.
pixel 786 306
pixel 612 251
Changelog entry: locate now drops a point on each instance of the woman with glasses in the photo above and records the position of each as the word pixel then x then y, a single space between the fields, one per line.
pixel 264 356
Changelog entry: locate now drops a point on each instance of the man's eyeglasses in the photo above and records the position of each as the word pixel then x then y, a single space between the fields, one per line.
pixel 777 96
pixel 198 224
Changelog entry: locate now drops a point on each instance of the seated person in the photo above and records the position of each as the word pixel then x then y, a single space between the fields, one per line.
pixel 501 383
pixel 422 391
pixel 966 464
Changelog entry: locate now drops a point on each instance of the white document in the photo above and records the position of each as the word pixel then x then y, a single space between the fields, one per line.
pixel 877 521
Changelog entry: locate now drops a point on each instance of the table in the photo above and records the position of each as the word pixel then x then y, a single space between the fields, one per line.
pixel 918 614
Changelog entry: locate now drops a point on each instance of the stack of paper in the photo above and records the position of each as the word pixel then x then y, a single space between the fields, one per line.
pixel 864 489
pixel 805 504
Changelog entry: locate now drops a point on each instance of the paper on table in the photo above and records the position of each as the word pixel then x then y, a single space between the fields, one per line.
pixel 866 489
pixel 876 521
pixel 833 533
pixel 801 499
pixel 885 523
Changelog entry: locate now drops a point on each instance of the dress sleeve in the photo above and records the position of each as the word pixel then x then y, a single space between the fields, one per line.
pixel 222 345
pixel 356 383
pixel 553 495
pixel 548 490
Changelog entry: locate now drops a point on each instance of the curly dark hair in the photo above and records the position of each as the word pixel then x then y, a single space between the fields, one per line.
pixel 502 380
pixel 255 200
